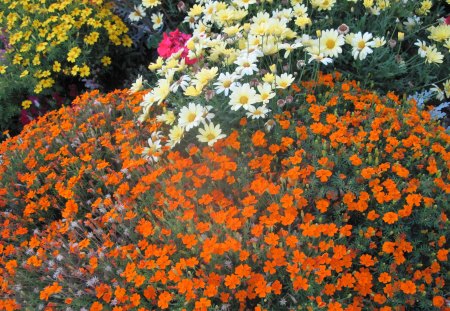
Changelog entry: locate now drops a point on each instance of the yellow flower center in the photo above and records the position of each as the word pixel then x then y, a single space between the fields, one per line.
pixel 330 43
pixel 361 45
pixel 243 100
pixel 210 136
pixel 227 84
pixel 191 117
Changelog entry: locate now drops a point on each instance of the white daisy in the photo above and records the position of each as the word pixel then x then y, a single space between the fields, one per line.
pixel 256 113
pixel 246 65
pixel 210 134
pixel 191 116
pixel 362 45
pixel 265 92
pixel 412 22
pixel 320 58
pixel 182 83
pixel 331 42
pixel 422 51
pixel 243 96
pixel 379 42
pixel 225 82
pixel 157 20
pixel 244 3
pixel 137 85
pixel 433 55
pixel 283 81
pixel 438 92
pixel 175 135
pixel 162 90
pixel 168 117
pixel 288 48
pixel 137 14
pixel 154 147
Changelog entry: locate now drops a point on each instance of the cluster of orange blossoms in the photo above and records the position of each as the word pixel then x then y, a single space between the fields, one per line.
pixel 341 206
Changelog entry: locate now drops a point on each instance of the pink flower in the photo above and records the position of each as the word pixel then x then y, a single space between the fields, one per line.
pixel 172 43
pixel 447 20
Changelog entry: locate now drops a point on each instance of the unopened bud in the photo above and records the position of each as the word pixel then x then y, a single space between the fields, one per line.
pixel 343 29
pixel 281 102
pixel 181 6
pixel 392 43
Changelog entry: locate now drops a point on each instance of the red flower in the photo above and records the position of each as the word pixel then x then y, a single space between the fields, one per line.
pixel 174 42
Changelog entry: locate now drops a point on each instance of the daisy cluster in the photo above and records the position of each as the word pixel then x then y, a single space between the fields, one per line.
pixel 250 53
pixel 140 11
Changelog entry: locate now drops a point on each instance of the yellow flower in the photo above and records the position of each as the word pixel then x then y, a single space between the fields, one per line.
pixel 3 69
pixel 56 66
pixel 193 91
pixel 439 33
pixel 41 46
pixel 26 104
pixel 91 38
pixel 36 60
pixel 73 54
pixel 151 3
pixel 196 10
pixel 127 42
pixel 24 73
pixel 269 78
pixel 433 55
pixel 157 65
pixel 303 21
pixel 106 60
pixel 74 70
pixel 84 71
pixel 447 88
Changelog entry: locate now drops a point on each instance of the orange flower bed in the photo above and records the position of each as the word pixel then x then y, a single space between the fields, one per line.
pixel 342 205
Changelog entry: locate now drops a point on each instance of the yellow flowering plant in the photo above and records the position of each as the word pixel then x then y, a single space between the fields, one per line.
pixel 48 40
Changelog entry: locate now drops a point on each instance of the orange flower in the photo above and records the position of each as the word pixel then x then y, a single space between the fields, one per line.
pixel 442 254
pixel 232 281
pixel 300 283
pixel 96 306
pixel 366 260
pixel 145 228
pixel 322 205
pixel 356 161
pixel 438 301
pixel 55 288
pixel 164 300
pixel 335 306
pixel 258 139
pixel 243 271
pixel 202 304
pixel 323 175
pixel 408 287
pixel 390 218
pixel 384 278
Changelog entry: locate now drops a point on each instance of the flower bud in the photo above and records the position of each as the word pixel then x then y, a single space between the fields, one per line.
pixel 343 29
pixel 281 102
pixel 401 36
pixel 181 6
pixel 392 43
